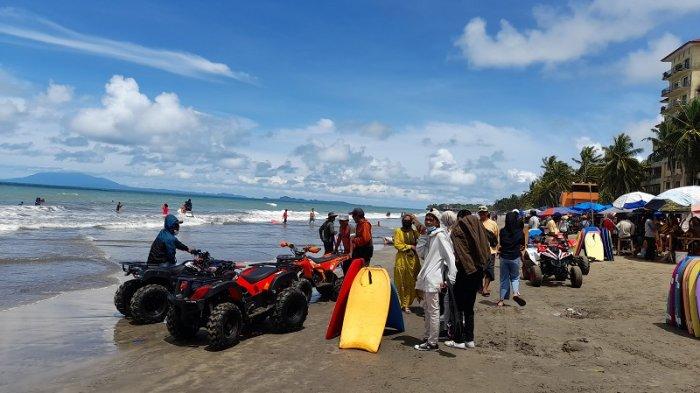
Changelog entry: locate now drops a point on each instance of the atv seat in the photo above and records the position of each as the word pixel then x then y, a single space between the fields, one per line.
pixel 258 273
pixel 323 258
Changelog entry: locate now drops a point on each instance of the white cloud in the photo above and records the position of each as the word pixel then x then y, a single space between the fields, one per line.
pixel 376 130
pixel 154 172
pixel 33 28
pixel 11 107
pixel 641 129
pixel 127 116
pixel 584 141
pixel 183 174
pixel 521 176
pixel 444 169
pixel 644 65
pixel 239 162
pixel 566 33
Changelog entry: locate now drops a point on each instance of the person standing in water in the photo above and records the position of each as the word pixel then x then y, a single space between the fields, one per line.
pixel 188 205
pixel 165 209
pixel 406 265
pixel 312 216
pixel 284 216
pixel 119 207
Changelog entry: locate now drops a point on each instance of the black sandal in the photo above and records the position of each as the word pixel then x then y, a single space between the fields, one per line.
pixel 521 302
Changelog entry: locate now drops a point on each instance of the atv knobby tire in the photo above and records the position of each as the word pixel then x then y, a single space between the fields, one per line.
pixel 584 264
pixel 290 310
pixel 576 276
pixel 178 328
pixel 149 304
pixel 536 275
pixel 123 295
pixel 224 325
pixel 305 287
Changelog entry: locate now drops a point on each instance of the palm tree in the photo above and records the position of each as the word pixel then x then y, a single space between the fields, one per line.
pixel 622 171
pixel 555 179
pixel 588 165
pixel 686 138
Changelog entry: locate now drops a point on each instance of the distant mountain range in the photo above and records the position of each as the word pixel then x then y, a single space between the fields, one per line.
pixel 82 180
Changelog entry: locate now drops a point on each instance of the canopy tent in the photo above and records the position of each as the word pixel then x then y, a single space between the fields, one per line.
pixel 677 200
pixel 589 206
pixel 632 200
pixel 560 209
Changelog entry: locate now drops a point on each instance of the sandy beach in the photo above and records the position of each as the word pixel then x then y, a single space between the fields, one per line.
pixel 619 342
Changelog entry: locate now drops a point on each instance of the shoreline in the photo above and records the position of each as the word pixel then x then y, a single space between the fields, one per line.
pixel 619 341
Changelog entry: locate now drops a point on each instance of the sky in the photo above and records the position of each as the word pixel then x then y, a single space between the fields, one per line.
pixel 398 103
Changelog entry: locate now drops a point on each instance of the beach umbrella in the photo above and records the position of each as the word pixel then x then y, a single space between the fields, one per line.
pixel 589 206
pixel 632 200
pixel 616 210
pixel 560 209
pixel 677 200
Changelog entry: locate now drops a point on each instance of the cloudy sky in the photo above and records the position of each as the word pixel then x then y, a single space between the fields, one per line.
pixel 384 102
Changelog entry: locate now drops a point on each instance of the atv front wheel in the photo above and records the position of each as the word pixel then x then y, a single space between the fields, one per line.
pixel 584 264
pixel 305 287
pixel 290 311
pixel 576 277
pixel 224 325
pixel 177 327
pixel 149 304
pixel 536 275
pixel 123 295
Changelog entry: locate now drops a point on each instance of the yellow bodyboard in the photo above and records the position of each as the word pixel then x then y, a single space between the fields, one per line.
pixel 594 246
pixel 685 292
pixel 692 299
pixel 367 310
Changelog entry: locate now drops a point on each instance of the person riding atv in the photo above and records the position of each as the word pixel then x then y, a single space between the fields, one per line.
pixel 166 243
pixel 144 298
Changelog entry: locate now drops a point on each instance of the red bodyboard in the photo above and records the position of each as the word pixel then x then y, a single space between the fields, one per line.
pixel 335 325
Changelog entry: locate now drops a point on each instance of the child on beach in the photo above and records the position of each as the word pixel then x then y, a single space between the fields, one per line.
pixel 436 251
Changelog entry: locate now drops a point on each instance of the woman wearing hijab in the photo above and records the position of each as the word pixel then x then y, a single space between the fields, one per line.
pixel 512 243
pixel 406 265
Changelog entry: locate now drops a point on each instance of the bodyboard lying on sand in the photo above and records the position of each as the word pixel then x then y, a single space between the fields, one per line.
pixel 579 243
pixel 680 313
pixel 694 324
pixel 367 310
pixel 594 246
pixel 671 301
pixel 607 245
pixel 395 318
pixel 686 294
pixel 336 323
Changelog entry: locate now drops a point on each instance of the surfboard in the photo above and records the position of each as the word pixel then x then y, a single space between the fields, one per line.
pixel 579 243
pixel 604 240
pixel 697 300
pixel 671 300
pixel 685 289
pixel 336 322
pixel 609 246
pixel 395 318
pixel 594 246
pixel 680 314
pixel 694 324
pixel 367 310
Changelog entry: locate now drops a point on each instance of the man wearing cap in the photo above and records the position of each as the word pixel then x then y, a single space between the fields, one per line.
pixel 327 233
pixel 362 242
pixel 492 228
pixel 343 235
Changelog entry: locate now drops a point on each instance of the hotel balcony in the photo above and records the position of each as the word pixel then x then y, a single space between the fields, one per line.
pixel 665 92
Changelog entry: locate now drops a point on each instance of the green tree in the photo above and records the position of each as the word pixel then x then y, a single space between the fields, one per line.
pixel 622 172
pixel 556 178
pixel 677 139
pixel 589 162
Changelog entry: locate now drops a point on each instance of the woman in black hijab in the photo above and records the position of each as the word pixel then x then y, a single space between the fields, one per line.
pixel 512 243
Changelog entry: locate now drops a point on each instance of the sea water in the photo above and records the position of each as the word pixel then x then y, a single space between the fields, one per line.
pixel 77 239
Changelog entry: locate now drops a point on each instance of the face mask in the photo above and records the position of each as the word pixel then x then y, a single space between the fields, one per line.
pixel 406 224
pixel 431 229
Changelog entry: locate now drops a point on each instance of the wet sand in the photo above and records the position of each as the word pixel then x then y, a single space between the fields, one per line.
pixel 619 342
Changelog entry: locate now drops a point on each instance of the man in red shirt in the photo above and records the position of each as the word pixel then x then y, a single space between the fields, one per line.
pixel 362 246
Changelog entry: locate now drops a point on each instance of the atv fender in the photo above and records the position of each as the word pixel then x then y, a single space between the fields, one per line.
pixel 532 255
pixel 283 281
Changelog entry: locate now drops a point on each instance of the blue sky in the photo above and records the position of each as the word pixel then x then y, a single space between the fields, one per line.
pixel 395 102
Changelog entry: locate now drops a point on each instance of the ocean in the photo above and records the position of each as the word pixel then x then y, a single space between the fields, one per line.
pixel 77 240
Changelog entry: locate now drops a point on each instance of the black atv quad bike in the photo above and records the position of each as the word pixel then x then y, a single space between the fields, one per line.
pixel 144 298
pixel 235 301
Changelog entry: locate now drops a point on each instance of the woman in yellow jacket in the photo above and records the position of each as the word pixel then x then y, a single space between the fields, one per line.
pixel 407 265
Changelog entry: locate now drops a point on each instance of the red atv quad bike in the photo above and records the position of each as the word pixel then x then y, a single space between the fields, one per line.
pixel 322 273
pixel 229 303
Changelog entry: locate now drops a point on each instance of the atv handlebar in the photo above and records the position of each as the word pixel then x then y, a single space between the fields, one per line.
pixel 308 248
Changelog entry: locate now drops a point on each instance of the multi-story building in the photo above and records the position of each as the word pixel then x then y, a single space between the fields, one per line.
pixel 683 85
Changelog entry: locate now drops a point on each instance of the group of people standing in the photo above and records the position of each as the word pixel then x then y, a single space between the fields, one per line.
pixel 358 243
pixel 447 260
